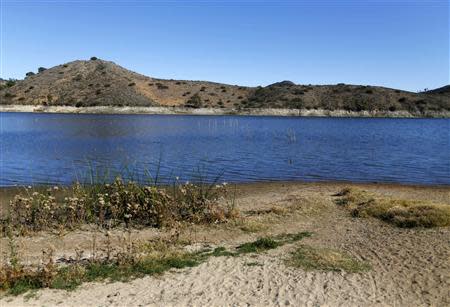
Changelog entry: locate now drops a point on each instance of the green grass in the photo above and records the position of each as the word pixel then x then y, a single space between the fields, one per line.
pixel 17 280
pixel 325 259
pixel 257 246
pixel 399 212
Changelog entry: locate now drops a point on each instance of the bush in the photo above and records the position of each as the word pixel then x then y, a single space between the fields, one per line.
pixel 94 58
pixel 161 86
pixel 402 99
pixel 29 74
pixel 131 84
pixel 41 69
pixel 194 102
pixel 10 82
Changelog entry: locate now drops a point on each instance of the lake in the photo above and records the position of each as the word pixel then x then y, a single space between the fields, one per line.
pixel 62 148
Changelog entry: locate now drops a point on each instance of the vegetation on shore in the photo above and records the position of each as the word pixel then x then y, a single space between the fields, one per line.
pixel 132 260
pixel 402 213
pixel 115 204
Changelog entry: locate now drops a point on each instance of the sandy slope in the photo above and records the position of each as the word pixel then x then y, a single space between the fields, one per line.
pixel 410 267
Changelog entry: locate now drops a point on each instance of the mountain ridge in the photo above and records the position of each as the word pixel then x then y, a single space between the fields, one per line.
pixel 96 82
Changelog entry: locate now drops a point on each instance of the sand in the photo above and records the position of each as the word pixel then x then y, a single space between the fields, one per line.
pixel 410 267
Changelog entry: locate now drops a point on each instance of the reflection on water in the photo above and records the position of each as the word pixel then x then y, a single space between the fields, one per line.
pixel 61 148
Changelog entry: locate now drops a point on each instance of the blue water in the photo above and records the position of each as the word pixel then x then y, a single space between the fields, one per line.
pixel 62 148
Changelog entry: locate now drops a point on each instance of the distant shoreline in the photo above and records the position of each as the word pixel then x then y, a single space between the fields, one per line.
pixel 217 111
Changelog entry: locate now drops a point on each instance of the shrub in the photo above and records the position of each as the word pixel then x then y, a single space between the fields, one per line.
pixel 194 102
pixel 392 108
pixel 131 84
pixel 41 69
pixel 161 86
pixel 10 82
pixel 79 104
pixel 29 74
pixel 402 99
pixel 94 58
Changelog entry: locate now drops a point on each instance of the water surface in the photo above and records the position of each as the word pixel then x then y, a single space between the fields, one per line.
pixel 62 148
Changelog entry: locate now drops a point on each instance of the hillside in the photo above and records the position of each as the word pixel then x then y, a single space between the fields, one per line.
pixel 102 83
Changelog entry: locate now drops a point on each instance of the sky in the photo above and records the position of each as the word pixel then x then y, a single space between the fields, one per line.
pixel 398 43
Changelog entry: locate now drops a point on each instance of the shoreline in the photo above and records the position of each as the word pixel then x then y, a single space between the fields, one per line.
pixel 216 111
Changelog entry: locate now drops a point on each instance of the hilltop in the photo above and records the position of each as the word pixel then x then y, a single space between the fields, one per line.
pixel 96 82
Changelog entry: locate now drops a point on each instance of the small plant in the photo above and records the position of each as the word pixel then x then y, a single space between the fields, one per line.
pixel 131 84
pixel 29 74
pixel 41 69
pixel 94 58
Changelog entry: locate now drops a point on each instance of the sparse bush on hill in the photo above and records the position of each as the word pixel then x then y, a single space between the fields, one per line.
pixel 131 84
pixel 29 74
pixel 94 58
pixel 41 69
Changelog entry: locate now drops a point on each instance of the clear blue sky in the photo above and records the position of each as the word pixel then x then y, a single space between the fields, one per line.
pixel 398 43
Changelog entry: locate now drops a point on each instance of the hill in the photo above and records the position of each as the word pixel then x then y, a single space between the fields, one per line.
pixel 103 83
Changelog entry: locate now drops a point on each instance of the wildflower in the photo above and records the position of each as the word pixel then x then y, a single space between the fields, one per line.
pixel 29 187
pixel 55 188
pixel 177 178
pixel 35 194
pixel 224 184
pixel 127 216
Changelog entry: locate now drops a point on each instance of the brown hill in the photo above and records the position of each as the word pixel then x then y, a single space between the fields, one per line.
pixel 99 83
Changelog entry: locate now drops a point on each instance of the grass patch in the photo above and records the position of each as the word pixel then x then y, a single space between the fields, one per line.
pixel 325 259
pixel 400 212
pixel 257 246
pixel 20 280
pixel 267 243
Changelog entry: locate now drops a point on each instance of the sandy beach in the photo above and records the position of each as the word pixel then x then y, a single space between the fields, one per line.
pixel 408 266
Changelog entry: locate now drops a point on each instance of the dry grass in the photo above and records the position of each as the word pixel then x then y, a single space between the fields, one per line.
pixel 325 259
pixel 400 212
